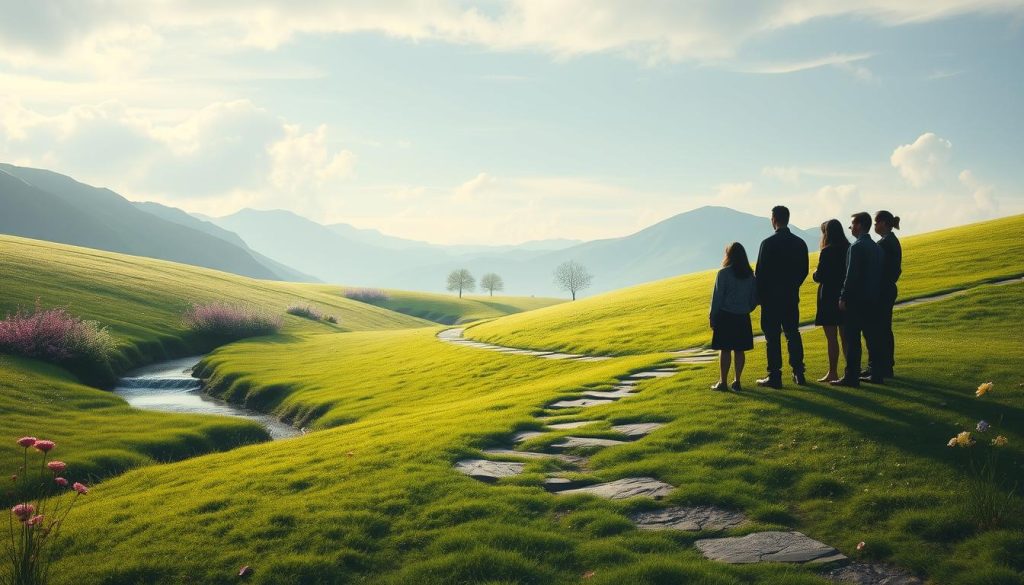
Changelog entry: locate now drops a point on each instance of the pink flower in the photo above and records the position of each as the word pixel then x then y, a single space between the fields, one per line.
pixel 37 519
pixel 60 481
pixel 23 511
pixel 56 466
pixel 80 488
pixel 26 442
pixel 44 445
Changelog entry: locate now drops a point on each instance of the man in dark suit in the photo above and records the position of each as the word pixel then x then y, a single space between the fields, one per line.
pixel 781 269
pixel 860 296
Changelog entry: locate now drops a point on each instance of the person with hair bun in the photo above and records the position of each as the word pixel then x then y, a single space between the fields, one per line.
pixel 881 345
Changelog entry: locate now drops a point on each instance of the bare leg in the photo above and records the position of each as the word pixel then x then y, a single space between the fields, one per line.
pixel 724 361
pixel 741 359
pixel 831 337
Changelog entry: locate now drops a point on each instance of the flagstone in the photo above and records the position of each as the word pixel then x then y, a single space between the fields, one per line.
pixel 772 546
pixel 692 518
pixel 630 487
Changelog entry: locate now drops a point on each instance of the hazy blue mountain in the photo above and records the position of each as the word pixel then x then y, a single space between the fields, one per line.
pixel 340 253
pixel 173 214
pixel 321 251
pixel 45 205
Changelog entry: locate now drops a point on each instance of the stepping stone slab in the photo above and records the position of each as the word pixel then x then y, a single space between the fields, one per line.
pixel 638 429
pixel 594 358
pixel 559 356
pixel 653 374
pixel 573 442
pixel 630 487
pixel 525 436
pixel 872 574
pixel 695 360
pixel 488 471
pixel 572 459
pixel 773 546
pixel 581 403
pixel 696 518
pixel 571 425
pixel 614 395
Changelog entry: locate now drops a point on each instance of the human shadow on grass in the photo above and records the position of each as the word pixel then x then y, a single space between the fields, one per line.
pixel 907 429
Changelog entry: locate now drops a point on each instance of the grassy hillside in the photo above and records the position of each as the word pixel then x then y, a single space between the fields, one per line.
pixel 672 313
pixel 376 501
pixel 141 301
pixel 451 310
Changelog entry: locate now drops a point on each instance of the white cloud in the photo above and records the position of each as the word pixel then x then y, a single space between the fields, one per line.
pixel 115 34
pixel 732 193
pixel 469 190
pixel 980 192
pixel 919 163
pixel 303 162
pixel 842 61
pixel 785 174
pixel 226 151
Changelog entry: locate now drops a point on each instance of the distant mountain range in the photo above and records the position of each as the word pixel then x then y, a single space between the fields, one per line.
pixel 45 205
pixel 281 245
pixel 687 242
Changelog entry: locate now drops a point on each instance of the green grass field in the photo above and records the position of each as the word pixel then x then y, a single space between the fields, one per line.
pixel 672 314
pixel 371 496
pixel 452 310
pixel 375 500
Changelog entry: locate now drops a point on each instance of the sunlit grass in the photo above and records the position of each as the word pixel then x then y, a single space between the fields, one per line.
pixel 672 313
pixel 375 499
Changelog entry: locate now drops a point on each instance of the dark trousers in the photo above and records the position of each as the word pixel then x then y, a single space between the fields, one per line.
pixel 777 318
pixel 859 318
pixel 881 343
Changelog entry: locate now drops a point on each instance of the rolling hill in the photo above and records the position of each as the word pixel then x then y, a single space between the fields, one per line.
pixel 49 206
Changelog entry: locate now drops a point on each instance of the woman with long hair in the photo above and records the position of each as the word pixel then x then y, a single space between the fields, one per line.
pixel 881 354
pixel 829 275
pixel 734 297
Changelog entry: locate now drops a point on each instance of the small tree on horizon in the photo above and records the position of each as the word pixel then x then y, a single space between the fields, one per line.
pixel 461 280
pixel 491 282
pixel 573 277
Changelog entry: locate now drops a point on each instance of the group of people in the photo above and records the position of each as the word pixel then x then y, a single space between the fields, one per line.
pixel 856 294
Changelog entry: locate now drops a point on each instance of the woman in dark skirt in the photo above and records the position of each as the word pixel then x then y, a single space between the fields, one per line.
pixel 734 297
pixel 830 275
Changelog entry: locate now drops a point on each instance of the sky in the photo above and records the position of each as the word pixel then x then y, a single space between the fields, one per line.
pixel 498 122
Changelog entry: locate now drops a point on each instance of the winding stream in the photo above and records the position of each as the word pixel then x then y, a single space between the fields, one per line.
pixel 169 386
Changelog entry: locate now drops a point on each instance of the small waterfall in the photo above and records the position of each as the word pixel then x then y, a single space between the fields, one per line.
pixel 169 387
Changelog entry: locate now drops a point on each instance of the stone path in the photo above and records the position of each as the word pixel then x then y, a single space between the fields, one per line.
pixel 872 574
pixel 692 519
pixel 770 546
pixel 773 546
pixel 630 487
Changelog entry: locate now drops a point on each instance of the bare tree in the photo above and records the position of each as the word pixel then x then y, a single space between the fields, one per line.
pixel 573 277
pixel 461 280
pixel 491 282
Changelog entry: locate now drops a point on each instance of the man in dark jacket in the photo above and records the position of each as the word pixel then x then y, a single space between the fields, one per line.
pixel 781 269
pixel 860 296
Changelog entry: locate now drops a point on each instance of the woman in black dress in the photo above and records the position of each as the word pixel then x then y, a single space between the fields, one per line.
pixel 734 297
pixel 829 275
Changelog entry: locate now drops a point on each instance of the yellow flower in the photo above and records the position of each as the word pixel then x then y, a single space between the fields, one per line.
pixel 983 389
pixel 964 439
pixel 999 441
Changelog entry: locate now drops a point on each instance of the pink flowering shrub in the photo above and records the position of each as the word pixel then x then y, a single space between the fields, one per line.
pixel 55 335
pixel 226 320
pixel 307 311
pixel 366 295
pixel 37 518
